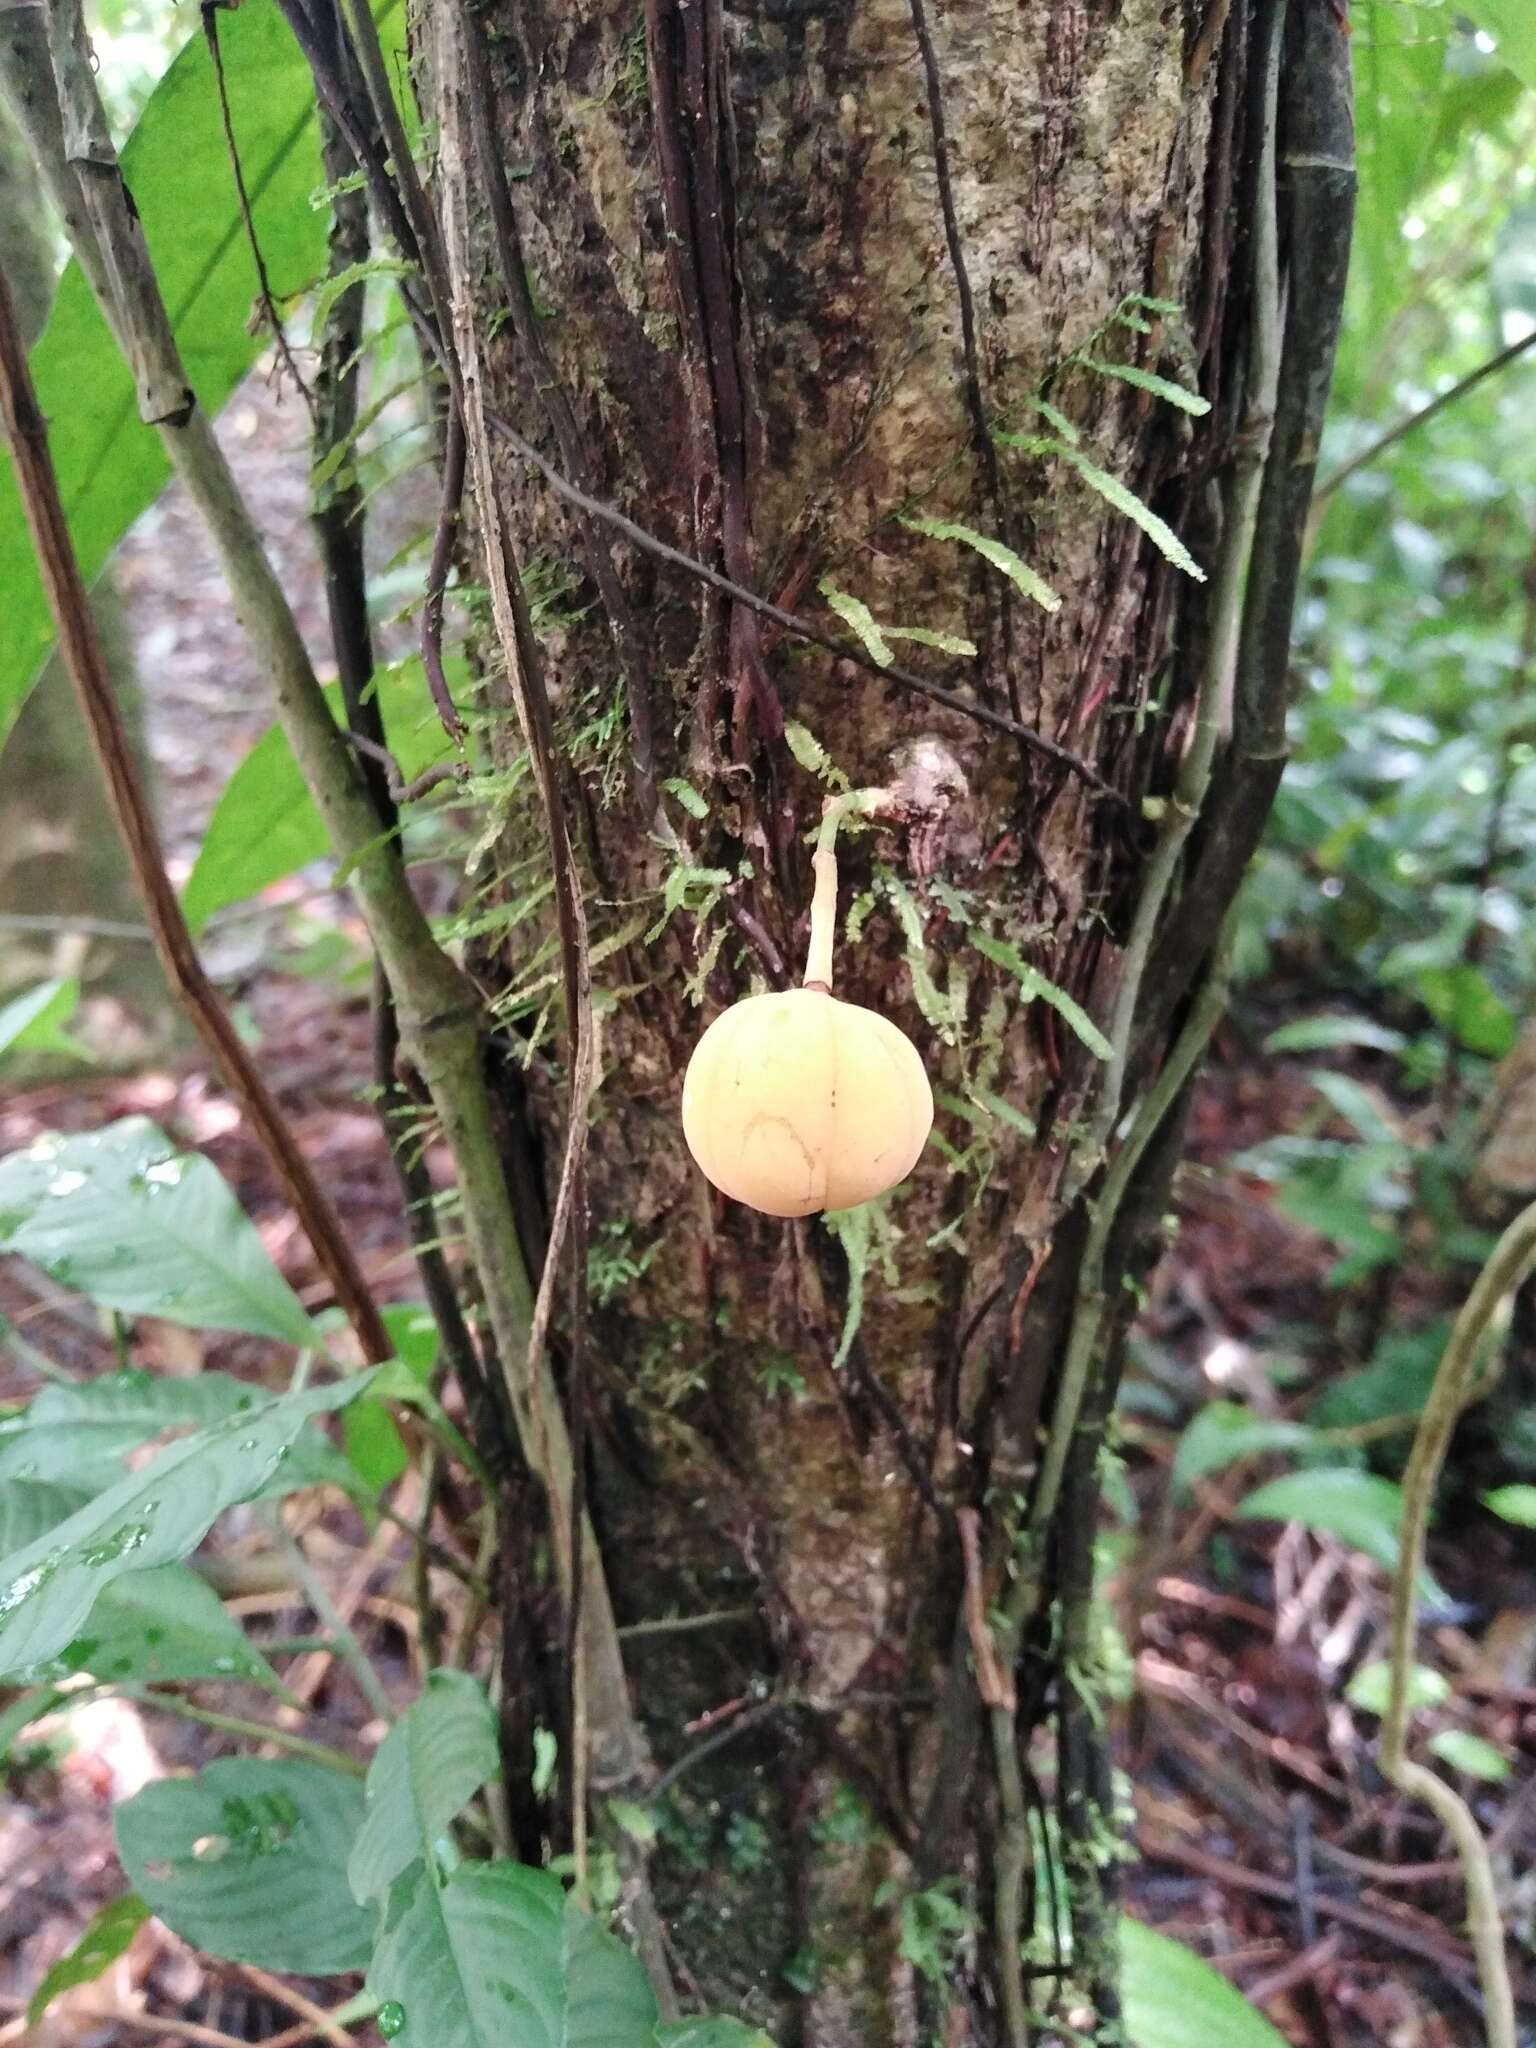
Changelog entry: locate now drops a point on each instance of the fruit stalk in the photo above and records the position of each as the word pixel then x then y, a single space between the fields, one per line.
pixel 818 957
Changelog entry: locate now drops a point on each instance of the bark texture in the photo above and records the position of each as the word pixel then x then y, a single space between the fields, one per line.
pixel 790 266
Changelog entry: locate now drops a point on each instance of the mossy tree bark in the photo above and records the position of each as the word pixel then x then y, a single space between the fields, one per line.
pixel 793 267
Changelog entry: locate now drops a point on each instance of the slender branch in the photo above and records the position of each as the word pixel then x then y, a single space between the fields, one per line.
pixel 1092 1313
pixel 209 10
pixel 1414 420
pixel 83 656
pixel 1223 625
pixel 788 622
pixel 544 378
pixel 525 674
pixel 437 576
pixel 249 1731
pixel 1456 1382
pixel 343 1641
pixel 1316 193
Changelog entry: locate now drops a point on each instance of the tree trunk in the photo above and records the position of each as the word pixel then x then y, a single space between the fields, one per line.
pixel 792 268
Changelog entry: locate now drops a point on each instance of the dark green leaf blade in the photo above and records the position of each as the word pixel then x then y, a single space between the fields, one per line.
pixel 110 466
pixel 265 824
pixel 248 1861
pixel 427 1769
pixel 153 1516
pixel 1173 1999
pixel 496 1955
pixel 108 1936
pixel 123 1217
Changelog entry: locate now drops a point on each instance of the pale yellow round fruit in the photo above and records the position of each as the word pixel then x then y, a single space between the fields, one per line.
pixel 798 1102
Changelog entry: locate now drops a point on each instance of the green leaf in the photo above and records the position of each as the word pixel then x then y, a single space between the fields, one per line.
pixel 110 466
pixel 23 1712
pixel 1225 1431
pixel 855 613
pixel 1462 1002
pixel 1359 1508
pixel 812 755
pixel 162 1625
pixel 1371 1686
pixel 1124 499
pixel 710 2033
pixel 247 1860
pixel 687 796
pixel 265 824
pixel 1326 1033
pixel 427 1769
pixel 34 1021
pixel 123 1217
pixel 374 1446
pixel 497 1958
pixel 153 1516
pixel 108 1935
pixel 1050 413
pixel 1515 1504
pixel 1036 987
pixel 1001 556
pixel 1469 1754
pixel 1173 1999
pixel 82 1433
pixel 1510 24
pixel 1147 380
pixel 946 643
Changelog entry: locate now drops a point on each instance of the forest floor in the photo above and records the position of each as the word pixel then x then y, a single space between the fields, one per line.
pixel 1266 1839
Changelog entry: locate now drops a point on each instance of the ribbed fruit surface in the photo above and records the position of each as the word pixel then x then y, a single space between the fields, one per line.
pixel 797 1102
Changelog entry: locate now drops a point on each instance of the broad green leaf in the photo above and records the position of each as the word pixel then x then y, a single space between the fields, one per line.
pixel 1173 1999
pixel 1371 1686
pixel 1359 1508
pixel 27 1708
pixel 1462 1000
pixel 497 1957
pixel 109 1935
pixel 1513 28
pixel 1471 1754
pixel 162 1625
pixel 123 1217
pixel 151 1626
pixel 1225 1431
pixel 156 1515
pixel 248 1861
pixel 1326 1033
pixel 1035 986
pixel 265 824
pixel 857 614
pixel 1515 1504
pixel 110 466
pixel 34 1021
pixel 82 1433
pixel 998 553
pixel 374 1446
pixel 1147 380
pixel 427 1769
